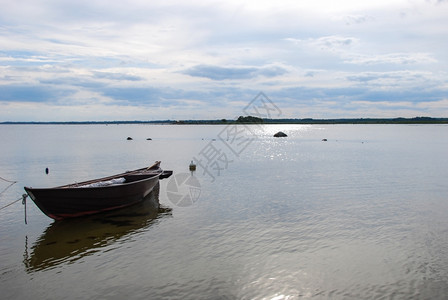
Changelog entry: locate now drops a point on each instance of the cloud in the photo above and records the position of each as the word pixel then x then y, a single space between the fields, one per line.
pixel 405 108
pixel 357 19
pixel 333 43
pixel 319 57
pixel 23 93
pixel 75 82
pixel 392 58
pixel 325 43
pixel 116 76
pixel 394 79
pixel 220 73
pixel 231 73
pixel 137 94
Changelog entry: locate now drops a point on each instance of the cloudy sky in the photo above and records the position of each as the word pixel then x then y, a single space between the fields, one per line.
pixel 153 60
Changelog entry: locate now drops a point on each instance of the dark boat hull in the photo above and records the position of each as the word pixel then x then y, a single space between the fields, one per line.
pixel 72 201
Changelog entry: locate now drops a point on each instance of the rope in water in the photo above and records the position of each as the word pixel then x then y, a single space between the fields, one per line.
pixel 7 180
pixel 13 202
pixel 23 198
pixel 12 183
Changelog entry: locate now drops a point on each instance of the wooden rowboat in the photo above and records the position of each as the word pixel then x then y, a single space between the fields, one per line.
pixel 98 195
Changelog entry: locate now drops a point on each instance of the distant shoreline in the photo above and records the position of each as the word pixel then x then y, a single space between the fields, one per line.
pixel 252 120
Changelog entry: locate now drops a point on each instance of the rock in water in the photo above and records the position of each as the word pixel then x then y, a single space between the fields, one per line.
pixel 280 134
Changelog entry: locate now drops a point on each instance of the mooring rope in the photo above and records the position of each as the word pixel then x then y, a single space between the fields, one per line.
pixel 7 180
pixel 23 198
pixel 13 202
pixel 11 184
pixel 24 203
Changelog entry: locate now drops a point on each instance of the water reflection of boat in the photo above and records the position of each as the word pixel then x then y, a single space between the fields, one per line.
pixel 72 239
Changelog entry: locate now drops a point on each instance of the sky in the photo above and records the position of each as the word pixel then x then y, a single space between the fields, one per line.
pixel 100 60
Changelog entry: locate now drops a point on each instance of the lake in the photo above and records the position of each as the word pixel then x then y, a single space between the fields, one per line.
pixel 362 215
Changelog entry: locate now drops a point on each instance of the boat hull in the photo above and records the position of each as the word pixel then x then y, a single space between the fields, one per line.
pixel 79 200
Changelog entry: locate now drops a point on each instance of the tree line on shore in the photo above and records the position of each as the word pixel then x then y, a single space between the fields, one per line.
pixel 257 120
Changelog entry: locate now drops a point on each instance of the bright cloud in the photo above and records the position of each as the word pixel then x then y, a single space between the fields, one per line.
pixel 88 60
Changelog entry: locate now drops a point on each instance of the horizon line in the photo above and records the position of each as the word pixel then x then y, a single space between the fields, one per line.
pixel 261 120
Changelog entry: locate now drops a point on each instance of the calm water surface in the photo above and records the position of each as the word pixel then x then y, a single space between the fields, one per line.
pixel 363 215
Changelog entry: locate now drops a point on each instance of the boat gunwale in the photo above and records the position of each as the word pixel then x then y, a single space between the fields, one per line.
pixel 78 185
pixel 74 187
